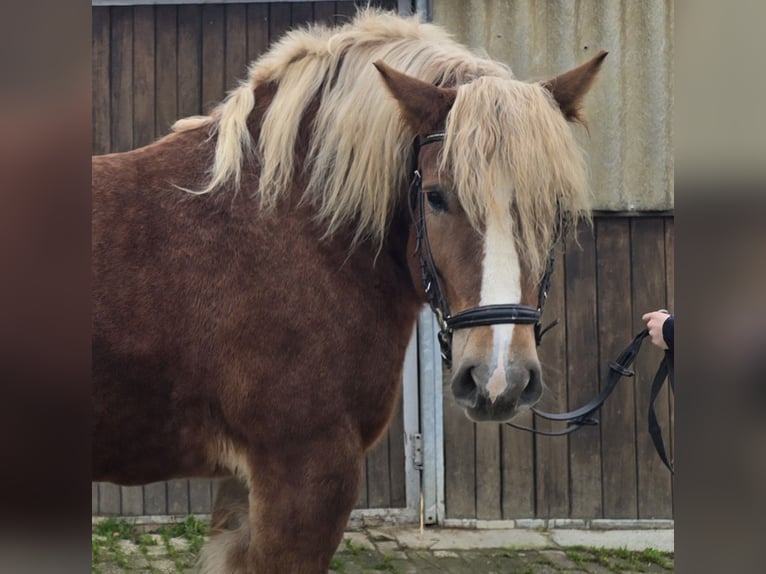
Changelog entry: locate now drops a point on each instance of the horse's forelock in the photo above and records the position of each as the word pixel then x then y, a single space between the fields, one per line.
pixel 502 130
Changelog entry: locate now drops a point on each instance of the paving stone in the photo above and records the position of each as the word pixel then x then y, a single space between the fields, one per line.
pixel 157 550
pixel 164 566
pixel 453 539
pixel 472 539
pixel 179 544
pixel 448 562
pixel 390 549
pixel 127 547
pixel 445 554
pixel 594 568
pixel 137 561
pixel 378 535
pixel 559 559
pixel 661 539
pixel 404 567
pixel 358 540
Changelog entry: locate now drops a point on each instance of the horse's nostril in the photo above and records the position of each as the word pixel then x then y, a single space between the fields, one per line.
pixel 464 388
pixel 533 389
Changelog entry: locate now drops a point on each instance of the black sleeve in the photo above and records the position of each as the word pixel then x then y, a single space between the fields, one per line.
pixel 667 332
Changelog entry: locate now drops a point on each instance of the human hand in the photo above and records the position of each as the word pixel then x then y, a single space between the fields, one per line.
pixel 654 322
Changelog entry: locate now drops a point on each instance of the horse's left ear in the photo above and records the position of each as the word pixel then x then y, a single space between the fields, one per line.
pixel 570 88
pixel 424 107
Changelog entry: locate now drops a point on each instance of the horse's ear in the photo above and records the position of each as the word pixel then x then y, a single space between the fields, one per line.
pixel 424 106
pixel 570 88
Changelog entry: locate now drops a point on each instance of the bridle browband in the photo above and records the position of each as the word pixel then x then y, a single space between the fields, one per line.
pixel 512 313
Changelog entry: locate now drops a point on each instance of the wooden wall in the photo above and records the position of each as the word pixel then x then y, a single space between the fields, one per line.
pixel 155 64
pixel 622 268
pixel 151 66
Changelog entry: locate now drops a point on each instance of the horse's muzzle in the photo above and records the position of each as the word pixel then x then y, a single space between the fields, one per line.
pixel 485 398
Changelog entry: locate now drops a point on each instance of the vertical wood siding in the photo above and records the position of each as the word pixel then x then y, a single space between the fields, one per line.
pixel 605 279
pixel 151 66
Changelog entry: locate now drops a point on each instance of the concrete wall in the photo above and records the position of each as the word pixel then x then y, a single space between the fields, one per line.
pixel 630 144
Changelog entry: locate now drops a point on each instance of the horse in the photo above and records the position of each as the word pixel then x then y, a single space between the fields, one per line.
pixel 258 272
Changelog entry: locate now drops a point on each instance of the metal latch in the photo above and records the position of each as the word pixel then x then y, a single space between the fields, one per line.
pixel 417 450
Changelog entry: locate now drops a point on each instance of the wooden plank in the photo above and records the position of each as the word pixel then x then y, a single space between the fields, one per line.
pixel 344 12
pixel 166 111
pixel 615 329
pixel 236 45
pixel 488 478
pixel 155 499
pixel 459 456
pixel 518 470
pixel 200 496
pixel 121 86
pixel 552 453
pixel 649 294
pixel 100 60
pixel 143 75
pixel 670 262
pixel 582 372
pixel 279 20
pixel 385 4
pixel 257 30
pixel 670 298
pixel 132 500
pixel 213 86
pixel 361 501
pixel 189 61
pixel 301 14
pixel 324 13
pixel 378 475
pixel 178 496
pixel 109 499
pixel 396 458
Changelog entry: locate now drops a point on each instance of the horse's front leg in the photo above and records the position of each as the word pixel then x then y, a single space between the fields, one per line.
pixel 298 507
pixel 300 500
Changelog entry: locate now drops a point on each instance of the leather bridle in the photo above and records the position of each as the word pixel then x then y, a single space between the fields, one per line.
pixel 511 313
pixel 482 315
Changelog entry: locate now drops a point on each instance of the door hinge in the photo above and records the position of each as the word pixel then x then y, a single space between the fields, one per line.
pixel 417 450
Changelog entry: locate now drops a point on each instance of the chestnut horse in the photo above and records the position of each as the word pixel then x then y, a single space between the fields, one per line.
pixel 256 281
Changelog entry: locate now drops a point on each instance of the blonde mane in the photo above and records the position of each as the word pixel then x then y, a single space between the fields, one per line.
pixel 359 147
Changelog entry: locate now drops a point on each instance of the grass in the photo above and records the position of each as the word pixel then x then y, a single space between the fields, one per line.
pixel 352 547
pixel 107 535
pixel 337 564
pixel 619 558
pixel 385 565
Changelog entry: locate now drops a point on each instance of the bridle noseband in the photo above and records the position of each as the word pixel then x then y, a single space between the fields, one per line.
pixel 512 313
pixel 483 315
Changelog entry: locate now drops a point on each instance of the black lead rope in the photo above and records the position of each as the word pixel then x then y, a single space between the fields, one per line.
pixel 584 416
pixel 664 372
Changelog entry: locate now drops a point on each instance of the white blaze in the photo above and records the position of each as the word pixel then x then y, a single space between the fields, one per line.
pixel 500 284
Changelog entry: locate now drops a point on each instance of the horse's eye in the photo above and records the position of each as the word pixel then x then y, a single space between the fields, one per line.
pixel 436 200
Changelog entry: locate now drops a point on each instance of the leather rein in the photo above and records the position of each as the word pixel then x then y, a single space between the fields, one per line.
pixel 485 315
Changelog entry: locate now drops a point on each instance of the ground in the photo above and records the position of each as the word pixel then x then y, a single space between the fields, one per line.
pixel 122 548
